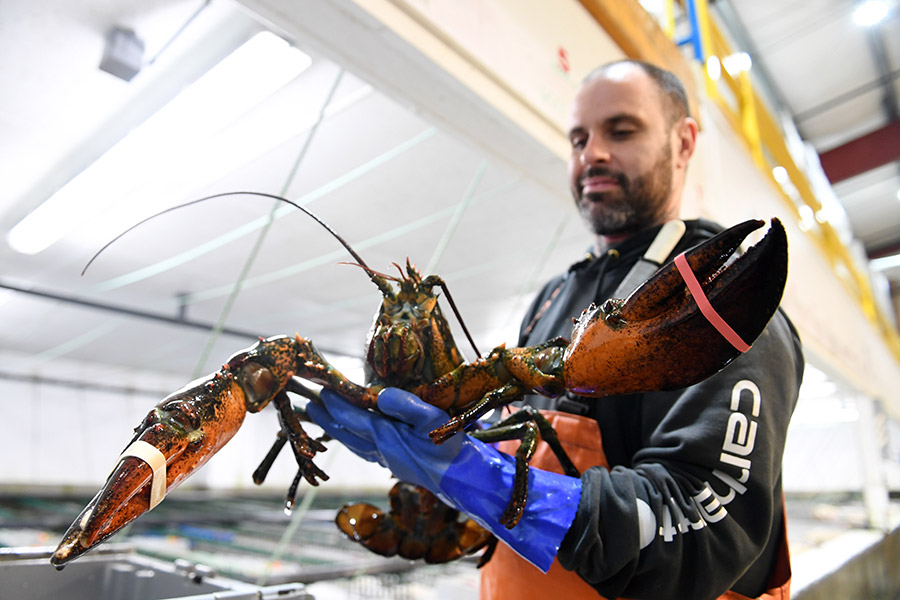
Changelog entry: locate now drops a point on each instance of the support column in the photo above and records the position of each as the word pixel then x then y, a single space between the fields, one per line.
pixel 875 491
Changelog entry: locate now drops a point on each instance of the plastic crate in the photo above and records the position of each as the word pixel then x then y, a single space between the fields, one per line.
pixel 119 573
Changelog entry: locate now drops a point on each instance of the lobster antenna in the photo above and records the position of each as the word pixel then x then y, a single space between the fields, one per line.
pixel 372 273
pixel 342 241
pixel 459 318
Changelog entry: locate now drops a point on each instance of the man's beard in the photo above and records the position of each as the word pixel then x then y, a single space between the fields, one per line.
pixel 637 204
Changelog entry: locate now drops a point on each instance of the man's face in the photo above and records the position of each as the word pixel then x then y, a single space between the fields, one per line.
pixel 623 153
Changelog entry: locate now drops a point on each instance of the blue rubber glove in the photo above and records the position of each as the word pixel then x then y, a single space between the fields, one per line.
pixel 465 473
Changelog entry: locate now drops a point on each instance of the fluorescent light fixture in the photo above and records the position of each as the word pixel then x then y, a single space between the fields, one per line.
pixel 248 138
pixel 807 217
pixel 870 12
pixel 713 68
pixel 737 63
pixel 253 72
pixel 885 262
pixel 781 175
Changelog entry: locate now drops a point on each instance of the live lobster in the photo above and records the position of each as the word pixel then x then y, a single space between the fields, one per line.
pixel 656 339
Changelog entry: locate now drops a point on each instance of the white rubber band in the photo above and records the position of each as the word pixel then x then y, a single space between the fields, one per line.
pixel 156 460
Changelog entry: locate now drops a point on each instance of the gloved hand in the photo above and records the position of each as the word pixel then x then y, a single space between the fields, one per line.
pixel 465 473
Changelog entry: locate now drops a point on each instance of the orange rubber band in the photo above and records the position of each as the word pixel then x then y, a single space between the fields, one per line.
pixel 706 308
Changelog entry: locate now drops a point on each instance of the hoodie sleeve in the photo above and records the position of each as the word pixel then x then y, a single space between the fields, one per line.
pixel 701 499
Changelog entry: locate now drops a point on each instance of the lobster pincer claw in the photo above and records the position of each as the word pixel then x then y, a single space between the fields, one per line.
pixel 697 314
pixel 177 437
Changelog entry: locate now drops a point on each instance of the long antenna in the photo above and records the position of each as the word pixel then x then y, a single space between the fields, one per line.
pixel 342 241
pixel 459 318
pixel 372 273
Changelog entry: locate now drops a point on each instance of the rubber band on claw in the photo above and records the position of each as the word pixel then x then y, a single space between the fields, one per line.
pixel 706 308
pixel 155 459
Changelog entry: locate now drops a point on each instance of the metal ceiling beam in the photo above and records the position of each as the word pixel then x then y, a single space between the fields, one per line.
pixel 125 310
pixel 863 154
pixel 887 250
pixel 879 54
pixel 846 97
pixel 89 386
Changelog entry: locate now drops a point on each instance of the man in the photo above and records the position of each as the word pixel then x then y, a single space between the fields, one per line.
pixel 680 495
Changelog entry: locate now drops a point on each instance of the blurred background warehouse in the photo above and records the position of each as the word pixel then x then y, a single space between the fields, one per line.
pixel 428 129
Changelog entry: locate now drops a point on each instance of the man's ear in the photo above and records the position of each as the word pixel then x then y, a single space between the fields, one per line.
pixel 686 140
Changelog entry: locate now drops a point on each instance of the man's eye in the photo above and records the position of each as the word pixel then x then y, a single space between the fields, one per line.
pixel 622 133
pixel 578 143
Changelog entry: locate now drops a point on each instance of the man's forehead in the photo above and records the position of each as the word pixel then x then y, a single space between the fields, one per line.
pixel 620 89
pixel 604 99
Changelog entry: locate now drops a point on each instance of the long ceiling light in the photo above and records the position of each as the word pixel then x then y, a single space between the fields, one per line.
pixel 884 263
pixel 870 12
pixel 228 151
pixel 250 74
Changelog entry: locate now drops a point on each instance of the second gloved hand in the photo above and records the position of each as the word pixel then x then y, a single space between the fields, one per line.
pixel 464 472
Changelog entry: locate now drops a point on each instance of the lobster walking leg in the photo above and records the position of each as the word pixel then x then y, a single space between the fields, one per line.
pixel 525 425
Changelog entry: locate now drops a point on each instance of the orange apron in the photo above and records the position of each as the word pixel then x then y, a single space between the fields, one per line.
pixel 507 575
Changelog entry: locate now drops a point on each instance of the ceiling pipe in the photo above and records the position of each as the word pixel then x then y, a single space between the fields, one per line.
pixel 844 97
pixel 87 386
pixel 879 55
pixel 142 314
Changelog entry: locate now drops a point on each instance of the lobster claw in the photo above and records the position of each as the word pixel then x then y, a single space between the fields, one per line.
pixel 659 338
pixel 178 436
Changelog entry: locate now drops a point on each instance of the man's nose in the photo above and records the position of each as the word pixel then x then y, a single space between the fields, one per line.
pixel 595 151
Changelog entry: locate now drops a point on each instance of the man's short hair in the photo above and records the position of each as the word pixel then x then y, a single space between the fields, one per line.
pixel 668 83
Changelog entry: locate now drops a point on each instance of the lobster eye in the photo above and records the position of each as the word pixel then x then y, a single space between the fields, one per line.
pixel 259 384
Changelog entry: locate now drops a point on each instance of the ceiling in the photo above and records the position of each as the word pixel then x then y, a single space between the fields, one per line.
pixel 838 82
pixel 392 179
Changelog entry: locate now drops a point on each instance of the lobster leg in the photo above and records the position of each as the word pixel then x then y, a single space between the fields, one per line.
pixel 525 425
pixel 507 374
pixel 532 416
pixel 262 471
pixel 303 447
pixel 496 398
